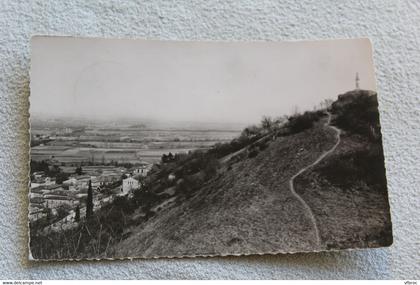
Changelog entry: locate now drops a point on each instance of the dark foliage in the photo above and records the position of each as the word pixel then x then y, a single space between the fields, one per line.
pixel 89 201
pixel 60 177
pixel 251 131
pixel 37 166
pixel 62 211
pixel 253 153
pixel 79 170
pixel 52 171
pixel 89 238
pixel 220 150
pixel 299 123
pixel 47 168
pixel 77 214
pixel 190 170
pixel 359 115
pixel 366 166
pixel 37 142
pixel 166 158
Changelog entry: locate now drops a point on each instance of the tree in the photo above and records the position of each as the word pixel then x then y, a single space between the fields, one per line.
pixel 77 215
pixel 279 121
pixel 302 122
pixel 92 158
pixel 79 170
pixel 250 131
pixel 210 169
pixel 62 211
pixel 39 166
pixel 61 177
pixel 267 123
pixel 170 156
pixel 53 170
pixel 49 214
pixel 89 201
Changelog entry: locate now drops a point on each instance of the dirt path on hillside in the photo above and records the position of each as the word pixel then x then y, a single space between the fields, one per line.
pixel 319 159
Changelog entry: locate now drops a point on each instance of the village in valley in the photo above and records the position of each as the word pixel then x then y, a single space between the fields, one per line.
pixel 63 203
pixel 69 160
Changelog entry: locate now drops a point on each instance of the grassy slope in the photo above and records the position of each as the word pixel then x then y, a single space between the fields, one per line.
pixel 247 209
pixel 347 214
pixel 347 191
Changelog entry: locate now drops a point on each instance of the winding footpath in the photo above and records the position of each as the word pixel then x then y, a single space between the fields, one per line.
pixel 320 158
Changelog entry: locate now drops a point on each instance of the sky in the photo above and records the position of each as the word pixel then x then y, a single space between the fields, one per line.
pixel 220 82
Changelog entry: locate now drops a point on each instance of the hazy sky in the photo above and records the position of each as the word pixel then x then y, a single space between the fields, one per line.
pixel 191 81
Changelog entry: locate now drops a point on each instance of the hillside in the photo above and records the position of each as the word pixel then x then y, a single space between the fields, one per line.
pixel 249 208
pixel 347 191
pixel 316 182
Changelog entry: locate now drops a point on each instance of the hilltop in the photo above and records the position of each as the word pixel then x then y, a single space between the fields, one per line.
pixel 236 198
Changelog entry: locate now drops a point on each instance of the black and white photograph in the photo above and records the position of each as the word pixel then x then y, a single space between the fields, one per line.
pixel 147 148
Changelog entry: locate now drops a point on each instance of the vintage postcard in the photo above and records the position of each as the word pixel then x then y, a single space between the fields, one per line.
pixel 144 149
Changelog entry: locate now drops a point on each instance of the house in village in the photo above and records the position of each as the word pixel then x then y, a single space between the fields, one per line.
pixel 109 177
pixel 49 181
pixel 55 201
pixel 36 209
pixel 129 184
pixel 81 182
pixel 142 169
pixel 51 188
pixel 38 174
pixel 41 180
pixel 36 214
pixel 71 184
pixel 36 205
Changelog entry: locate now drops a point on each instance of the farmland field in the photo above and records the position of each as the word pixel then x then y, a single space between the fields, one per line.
pixel 126 145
